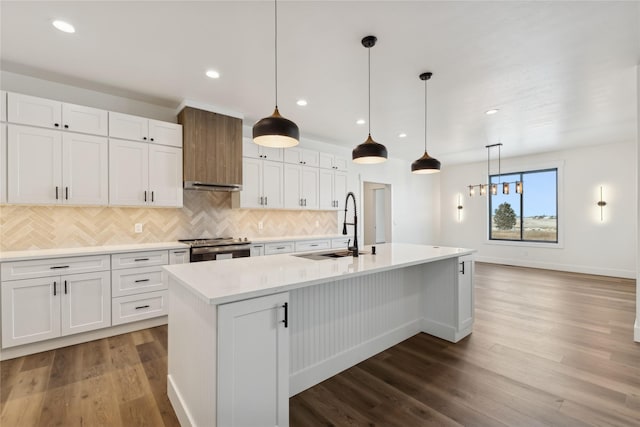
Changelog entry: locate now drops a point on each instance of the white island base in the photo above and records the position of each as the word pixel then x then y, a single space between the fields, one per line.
pixel 232 361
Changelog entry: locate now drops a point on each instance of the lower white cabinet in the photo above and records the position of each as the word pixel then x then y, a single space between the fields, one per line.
pixel 49 307
pixel 179 256
pixel 253 391
pixel 465 295
pixel 279 248
pixel 312 245
pixel 132 308
pixel 257 250
pixel 138 280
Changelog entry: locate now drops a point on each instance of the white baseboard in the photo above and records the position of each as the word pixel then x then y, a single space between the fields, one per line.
pixel 636 330
pixel 443 331
pixel 37 347
pixel 184 417
pixel 598 271
pixel 302 380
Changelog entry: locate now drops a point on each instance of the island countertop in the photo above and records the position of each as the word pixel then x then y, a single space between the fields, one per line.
pixel 223 281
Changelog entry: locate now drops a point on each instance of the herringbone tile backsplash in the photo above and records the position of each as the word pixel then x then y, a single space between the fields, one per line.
pixel 205 214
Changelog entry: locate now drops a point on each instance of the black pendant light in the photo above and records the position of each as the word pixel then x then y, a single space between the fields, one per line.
pixel 276 131
pixel 426 163
pixel 369 152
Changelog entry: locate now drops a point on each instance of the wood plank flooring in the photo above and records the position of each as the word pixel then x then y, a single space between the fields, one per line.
pixel 548 348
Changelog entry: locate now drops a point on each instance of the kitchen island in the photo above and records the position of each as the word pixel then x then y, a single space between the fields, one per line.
pixel 245 334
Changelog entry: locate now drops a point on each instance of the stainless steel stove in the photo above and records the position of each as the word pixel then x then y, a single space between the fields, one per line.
pixel 210 249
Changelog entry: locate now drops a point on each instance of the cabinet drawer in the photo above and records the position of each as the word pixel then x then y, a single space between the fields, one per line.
pixel 278 248
pixel 179 256
pixel 139 259
pixel 138 307
pixel 312 245
pixel 131 281
pixel 340 243
pixel 53 267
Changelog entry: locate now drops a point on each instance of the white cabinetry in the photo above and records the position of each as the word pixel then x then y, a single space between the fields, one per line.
pixel 312 245
pixel 143 174
pixel 255 151
pixel 49 300
pixel 179 256
pixel 34 111
pixel 333 189
pixel 51 167
pixel 138 286
pixel 329 161
pixel 300 187
pixel 279 248
pixel 253 390
pixel 3 163
pixel 136 128
pixel 3 106
pixel 262 185
pixel 302 156
pixel 464 294
pixel 257 250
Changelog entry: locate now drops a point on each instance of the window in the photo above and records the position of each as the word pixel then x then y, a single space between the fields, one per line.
pixel 528 217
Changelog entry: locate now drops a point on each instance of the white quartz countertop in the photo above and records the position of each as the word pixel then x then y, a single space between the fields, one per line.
pixel 87 250
pixel 223 281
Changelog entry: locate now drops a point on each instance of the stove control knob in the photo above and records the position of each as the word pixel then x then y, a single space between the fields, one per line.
pixel 246 240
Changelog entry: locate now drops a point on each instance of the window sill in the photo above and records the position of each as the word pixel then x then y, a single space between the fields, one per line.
pixel 549 245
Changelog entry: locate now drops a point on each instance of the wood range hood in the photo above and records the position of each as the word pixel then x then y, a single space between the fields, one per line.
pixel 212 150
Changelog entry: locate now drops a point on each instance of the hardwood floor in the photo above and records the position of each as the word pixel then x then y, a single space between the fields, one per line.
pixel 548 348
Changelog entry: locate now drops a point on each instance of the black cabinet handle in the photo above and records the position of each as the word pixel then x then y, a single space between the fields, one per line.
pixel 56 192
pixel 286 314
pixel 57 267
pixel 142 306
pixel 141 259
pixel 462 265
pixel 152 196
pixel 65 287
pixel 66 126
pixel 145 195
pixel 56 124
pixel 180 252
pixel 144 137
pixel 66 193
pixel 54 288
pixel 266 201
pixel 280 248
pixel 141 280
pixel 151 139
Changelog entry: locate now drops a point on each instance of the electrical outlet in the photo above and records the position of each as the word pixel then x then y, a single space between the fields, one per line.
pixel 260 225
pixel 138 228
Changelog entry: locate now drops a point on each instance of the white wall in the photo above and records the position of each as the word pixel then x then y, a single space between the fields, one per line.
pixel 636 335
pixel 589 245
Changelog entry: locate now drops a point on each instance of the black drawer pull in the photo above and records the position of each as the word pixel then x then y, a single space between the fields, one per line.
pixel 142 306
pixel 141 259
pixel 462 265
pixel 54 288
pixel 314 245
pixel 180 252
pixel 141 280
pixel 280 248
pixel 56 267
pixel 65 287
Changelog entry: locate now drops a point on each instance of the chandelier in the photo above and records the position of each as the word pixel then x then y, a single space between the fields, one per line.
pixel 493 187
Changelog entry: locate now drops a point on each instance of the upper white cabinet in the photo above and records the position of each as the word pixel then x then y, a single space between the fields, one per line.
pixel 144 174
pixel 301 187
pixel 302 156
pixel 333 189
pixel 136 128
pixel 255 151
pixel 252 390
pixel 3 106
pixel 329 161
pixel 34 111
pixel 3 163
pixel 263 185
pixel 50 167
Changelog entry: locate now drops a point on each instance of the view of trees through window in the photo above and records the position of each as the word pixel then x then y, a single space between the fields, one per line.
pixel 531 216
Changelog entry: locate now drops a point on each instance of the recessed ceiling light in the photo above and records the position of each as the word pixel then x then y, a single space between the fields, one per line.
pixel 360 122
pixel 301 102
pixel 64 26
pixel 402 135
pixel 492 111
pixel 213 74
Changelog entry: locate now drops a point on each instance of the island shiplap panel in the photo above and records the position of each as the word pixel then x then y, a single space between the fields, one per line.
pixel 341 323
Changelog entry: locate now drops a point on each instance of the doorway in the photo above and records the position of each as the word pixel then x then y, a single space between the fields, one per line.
pixel 377 213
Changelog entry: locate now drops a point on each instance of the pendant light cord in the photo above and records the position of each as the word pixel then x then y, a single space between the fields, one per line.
pixel 425 116
pixel 369 50
pixel 276 49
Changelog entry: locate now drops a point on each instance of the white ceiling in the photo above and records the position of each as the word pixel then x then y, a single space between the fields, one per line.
pixel 561 73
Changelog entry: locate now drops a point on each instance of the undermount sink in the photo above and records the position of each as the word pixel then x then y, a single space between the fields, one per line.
pixel 324 255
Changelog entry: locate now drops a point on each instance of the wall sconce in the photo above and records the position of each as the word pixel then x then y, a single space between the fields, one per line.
pixel 601 204
pixel 459 207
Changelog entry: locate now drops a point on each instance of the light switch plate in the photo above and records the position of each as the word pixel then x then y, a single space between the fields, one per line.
pixel 138 228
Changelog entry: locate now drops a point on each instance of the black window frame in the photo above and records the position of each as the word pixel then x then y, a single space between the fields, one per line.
pixel 524 185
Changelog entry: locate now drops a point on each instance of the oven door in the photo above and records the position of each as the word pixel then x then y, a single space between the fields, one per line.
pixel 212 253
